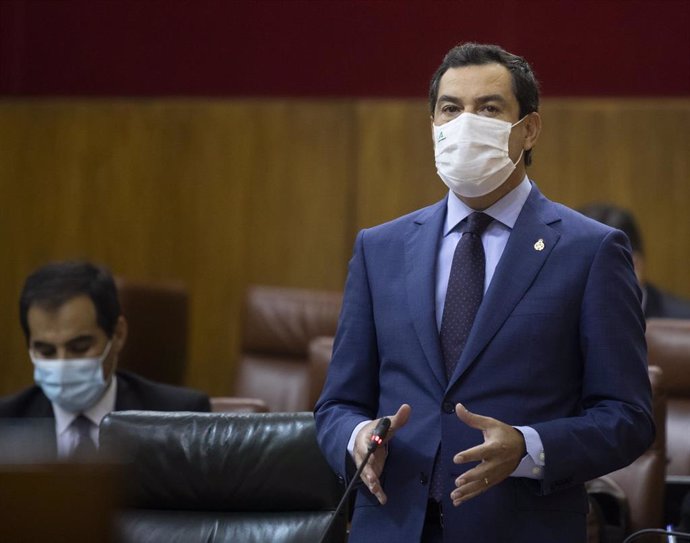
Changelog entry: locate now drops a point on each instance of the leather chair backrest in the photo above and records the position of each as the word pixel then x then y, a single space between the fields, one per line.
pixel 212 477
pixel 234 404
pixel 278 325
pixel 668 342
pixel 643 481
pixel 320 352
pixel 157 318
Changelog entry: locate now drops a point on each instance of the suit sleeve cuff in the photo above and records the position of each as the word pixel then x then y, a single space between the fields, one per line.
pixel 353 437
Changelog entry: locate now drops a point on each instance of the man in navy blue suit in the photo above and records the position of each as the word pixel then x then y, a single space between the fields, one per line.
pixel 549 387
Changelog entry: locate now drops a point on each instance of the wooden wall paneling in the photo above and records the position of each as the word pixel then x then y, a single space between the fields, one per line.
pixel 125 184
pixel 218 194
pixel 299 193
pixel 222 193
pixel 634 153
pixel 395 160
pixel 217 139
pixel 659 137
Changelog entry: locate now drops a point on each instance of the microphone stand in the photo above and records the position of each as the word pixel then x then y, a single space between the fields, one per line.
pixel 375 441
pixel 668 533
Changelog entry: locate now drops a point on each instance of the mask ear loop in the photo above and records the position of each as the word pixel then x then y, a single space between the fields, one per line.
pixel 106 351
pixel 517 123
pixel 522 152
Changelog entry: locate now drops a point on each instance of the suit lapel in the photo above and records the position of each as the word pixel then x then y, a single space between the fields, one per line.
pixel 41 407
pixel 421 249
pixel 528 247
pixel 42 417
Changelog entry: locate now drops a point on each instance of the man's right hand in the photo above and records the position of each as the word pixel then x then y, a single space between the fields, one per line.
pixel 372 471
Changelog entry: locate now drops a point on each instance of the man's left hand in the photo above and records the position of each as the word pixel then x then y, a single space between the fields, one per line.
pixel 498 456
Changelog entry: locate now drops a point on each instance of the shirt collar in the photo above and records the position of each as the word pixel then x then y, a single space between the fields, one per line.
pixel 506 210
pixel 95 413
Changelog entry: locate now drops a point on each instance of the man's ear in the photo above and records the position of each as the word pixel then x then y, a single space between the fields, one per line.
pixel 532 130
pixel 120 334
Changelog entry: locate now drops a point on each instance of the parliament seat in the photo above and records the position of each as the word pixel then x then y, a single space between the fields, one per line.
pixel 278 325
pixel 234 404
pixel 157 318
pixel 643 480
pixel 668 342
pixel 217 477
pixel 636 492
pixel 320 352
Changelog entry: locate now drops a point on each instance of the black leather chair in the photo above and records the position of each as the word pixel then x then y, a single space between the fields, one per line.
pixel 217 477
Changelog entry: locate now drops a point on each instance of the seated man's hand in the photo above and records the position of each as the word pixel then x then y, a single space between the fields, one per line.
pixel 372 471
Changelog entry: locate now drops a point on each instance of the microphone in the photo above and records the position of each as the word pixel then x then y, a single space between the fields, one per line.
pixel 378 435
pixel 375 441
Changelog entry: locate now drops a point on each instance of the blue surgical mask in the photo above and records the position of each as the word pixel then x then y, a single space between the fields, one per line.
pixel 74 384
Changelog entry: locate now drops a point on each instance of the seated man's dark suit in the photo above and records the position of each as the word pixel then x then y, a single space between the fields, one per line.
pixel 663 305
pixel 133 393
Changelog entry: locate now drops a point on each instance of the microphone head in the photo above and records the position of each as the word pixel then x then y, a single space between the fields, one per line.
pixel 379 433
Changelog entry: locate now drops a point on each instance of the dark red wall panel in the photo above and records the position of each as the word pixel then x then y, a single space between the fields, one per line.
pixel 333 48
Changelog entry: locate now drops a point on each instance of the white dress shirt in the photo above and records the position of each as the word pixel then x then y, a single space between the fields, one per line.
pixel 67 435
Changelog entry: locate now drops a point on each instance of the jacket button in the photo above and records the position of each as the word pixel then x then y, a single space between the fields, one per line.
pixel 423 478
pixel 448 407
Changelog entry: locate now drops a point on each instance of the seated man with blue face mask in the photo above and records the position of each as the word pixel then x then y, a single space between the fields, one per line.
pixel 70 315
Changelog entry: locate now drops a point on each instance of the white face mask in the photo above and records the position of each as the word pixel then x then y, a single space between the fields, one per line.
pixel 472 154
pixel 74 384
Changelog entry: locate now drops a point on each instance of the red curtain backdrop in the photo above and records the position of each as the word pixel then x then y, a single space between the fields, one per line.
pixel 333 48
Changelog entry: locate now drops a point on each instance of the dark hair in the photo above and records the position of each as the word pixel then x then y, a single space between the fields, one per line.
pixel 525 84
pixel 55 284
pixel 616 217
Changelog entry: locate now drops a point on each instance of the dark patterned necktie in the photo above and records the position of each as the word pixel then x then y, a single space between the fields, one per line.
pixel 85 448
pixel 465 290
pixel 463 297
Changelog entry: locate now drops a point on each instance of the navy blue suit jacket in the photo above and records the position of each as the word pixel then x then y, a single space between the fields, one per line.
pixel 558 344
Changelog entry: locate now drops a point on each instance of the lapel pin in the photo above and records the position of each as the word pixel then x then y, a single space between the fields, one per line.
pixel 539 246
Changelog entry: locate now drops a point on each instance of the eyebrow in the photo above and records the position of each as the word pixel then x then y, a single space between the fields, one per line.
pixel 491 98
pixel 37 344
pixel 480 99
pixel 447 98
pixel 79 339
pixel 84 337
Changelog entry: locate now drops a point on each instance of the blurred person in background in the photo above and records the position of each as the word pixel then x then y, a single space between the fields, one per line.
pixel 71 319
pixel 656 303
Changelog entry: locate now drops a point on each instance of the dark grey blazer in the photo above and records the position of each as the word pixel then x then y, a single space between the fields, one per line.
pixel 133 393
